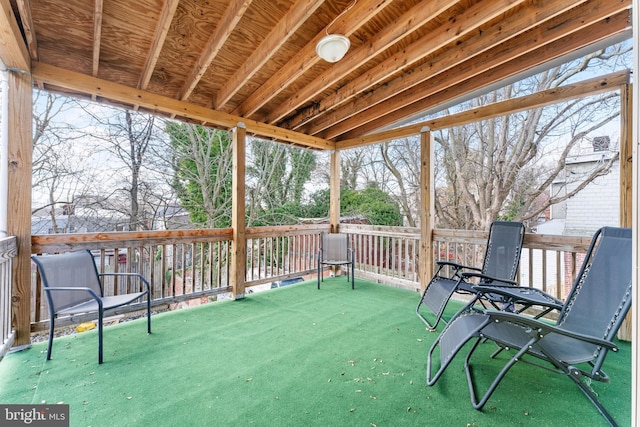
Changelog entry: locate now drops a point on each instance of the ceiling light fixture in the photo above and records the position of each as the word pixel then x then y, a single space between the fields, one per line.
pixel 333 47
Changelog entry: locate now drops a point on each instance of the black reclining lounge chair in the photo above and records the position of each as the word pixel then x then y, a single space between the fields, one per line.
pixel 575 346
pixel 501 260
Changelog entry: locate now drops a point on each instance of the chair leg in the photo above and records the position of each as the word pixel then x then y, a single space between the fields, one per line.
pixel 148 313
pixel 479 404
pixel 51 329
pixel 575 376
pixel 100 315
pixel 353 275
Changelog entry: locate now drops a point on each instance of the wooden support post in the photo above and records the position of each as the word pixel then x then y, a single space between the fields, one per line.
pixel 426 210
pixel 19 121
pixel 239 244
pixel 334 190
pixel 626 179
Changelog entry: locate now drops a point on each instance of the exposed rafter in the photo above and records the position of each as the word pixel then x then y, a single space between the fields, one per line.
pixel 168 10
pixel 287 26
pixel 539 99
pixel 469 21
pixel 97 32
pixel 223 30
pixel 359 15
pixel 24 6
pixel 504 60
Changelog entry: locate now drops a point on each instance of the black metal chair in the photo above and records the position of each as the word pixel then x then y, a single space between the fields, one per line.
pixel 73 285
pixel 575 346
pixel 500 265
pixel 335 251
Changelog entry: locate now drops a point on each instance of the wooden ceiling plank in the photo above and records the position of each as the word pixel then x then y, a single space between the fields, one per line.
pixel 468 21
pixel 495 34
pixel 162 28
pixel 448 69
pixel 287 27
pixel 360 14
pixel 406 24
pixel 540 99
pixel 84 84
pixel 601 30
pixel 223 30
pixel 97 35
pixel 24 7
pixel 13 50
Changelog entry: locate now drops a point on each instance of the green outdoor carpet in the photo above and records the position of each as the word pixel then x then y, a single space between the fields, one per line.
pixel 295 356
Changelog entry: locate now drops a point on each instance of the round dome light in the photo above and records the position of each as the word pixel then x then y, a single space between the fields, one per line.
pixel 333 47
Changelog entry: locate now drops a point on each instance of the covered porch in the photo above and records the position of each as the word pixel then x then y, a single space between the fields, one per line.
pixel 266 80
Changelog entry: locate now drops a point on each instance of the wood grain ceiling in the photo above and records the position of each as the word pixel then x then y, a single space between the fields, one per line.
pixel 256 58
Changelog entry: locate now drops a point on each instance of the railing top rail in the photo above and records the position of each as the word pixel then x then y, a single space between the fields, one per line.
pixel 379 230
pixel 68 242
pixel 285 230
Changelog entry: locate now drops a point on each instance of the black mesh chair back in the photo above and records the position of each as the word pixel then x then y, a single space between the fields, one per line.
pixel 55 272
pixel 504 247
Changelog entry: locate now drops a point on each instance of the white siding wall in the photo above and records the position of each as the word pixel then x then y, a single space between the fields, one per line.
pixel 597 205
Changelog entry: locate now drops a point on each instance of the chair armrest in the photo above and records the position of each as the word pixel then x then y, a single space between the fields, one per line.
pixel 546 328
pixel 456 265
pixel 519 294
pixel 509 283
pixel 138 275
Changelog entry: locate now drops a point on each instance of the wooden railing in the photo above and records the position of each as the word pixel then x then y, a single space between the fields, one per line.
pixel 183 266
pixel 390 255
pixel 8 250
pixel 193 266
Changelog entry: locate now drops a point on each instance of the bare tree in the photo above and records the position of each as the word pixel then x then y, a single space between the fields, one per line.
pixel 502 167
pixel 127 137
pixel 59 170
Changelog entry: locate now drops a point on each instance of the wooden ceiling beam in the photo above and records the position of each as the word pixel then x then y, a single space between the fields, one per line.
pixel 287 26
pixel 360 14
pixel 162 28
pixel 491 36
pixel 406 24
pixel 598 31
pixel 537 100
pixel 223 30
pixel 87 85
pixel 24 7
pixel 468 21
pixel 13 51
pixel 448 70
pixel 97 35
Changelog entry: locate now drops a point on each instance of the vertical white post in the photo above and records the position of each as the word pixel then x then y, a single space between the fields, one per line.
pixel 635 346
pixel 4 151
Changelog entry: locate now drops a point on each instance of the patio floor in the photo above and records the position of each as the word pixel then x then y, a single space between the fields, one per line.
pixel 290 357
